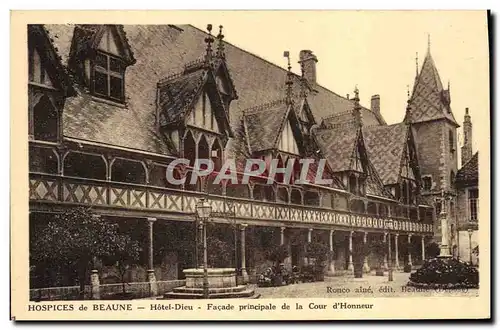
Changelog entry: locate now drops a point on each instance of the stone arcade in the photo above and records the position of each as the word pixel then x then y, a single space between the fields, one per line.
pixel 110 106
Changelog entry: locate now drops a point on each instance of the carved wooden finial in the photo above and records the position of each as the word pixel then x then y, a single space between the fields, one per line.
pixel 220 44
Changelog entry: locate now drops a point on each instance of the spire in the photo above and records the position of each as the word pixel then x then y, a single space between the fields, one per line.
pixel 407 119
pixel 357 108
pixel 209 40
pixel 303 81
pixel 220 44
pixel 416 65
pixel 428 43
pixel 289 81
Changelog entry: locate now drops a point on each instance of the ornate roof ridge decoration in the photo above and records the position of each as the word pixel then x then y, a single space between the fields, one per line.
pixel 264 106
pixel 335 115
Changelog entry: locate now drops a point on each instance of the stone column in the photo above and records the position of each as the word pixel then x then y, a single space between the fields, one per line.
pixel 396 254
pixel 423 249
pixel 95 284
pixel 244 273
pixel 445 247
pixel 282 235
pixel 409 250
pixel 350 265
pixel 386 266
pixel 309 238
pixel 153 287
pixel 332 258
pixel 366 268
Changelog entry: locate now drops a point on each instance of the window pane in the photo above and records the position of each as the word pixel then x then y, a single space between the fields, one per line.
pixel 115 65
pixel 101 60
pixel 116 88
pixel 100 83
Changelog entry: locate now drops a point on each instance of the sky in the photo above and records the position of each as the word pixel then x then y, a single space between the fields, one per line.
pixel 377 52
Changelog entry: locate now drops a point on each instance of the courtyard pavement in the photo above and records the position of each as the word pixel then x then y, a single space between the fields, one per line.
pixel 368 286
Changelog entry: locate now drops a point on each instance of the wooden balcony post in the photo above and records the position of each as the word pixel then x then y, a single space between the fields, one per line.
pixel 350 264
pixel 366 268
pixel 386 266
pixel 332 258
pixel 396 254
pixel 409 250
pixel 244 273
pixel 153 287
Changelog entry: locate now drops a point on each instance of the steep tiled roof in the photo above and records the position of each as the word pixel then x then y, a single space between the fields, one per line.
pixel 429 100
pixel 160 51
pixel 468 174
pixel 178 93
pixel 385 146
pixel 264 123
pixel 338 146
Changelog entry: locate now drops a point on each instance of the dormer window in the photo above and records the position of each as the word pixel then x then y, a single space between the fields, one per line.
pixel 108 79
pixel 37 72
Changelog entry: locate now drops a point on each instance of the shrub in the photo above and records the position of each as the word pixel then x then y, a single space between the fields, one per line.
pixel 277 254
pixel 432 250
pixel 447 272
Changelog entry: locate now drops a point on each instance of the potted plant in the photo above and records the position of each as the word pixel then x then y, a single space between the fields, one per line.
pixel 379 249
pixel 318 252
pixel 360 251
pixel 277 255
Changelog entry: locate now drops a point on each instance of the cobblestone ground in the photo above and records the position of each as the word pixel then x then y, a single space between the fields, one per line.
pixel 368 286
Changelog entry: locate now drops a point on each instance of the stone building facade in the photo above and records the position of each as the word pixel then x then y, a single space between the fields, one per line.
pixel 110 106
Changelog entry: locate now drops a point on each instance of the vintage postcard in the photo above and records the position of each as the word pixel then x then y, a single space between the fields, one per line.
pixel 239 165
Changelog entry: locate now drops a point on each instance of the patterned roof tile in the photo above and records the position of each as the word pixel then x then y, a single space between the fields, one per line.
pixel 385 147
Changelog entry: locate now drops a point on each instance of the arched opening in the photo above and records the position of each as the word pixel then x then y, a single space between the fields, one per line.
pixel 263 193
pixel 296 196
pixel 188 185
pixel 46 121
pixel 326 200
pixel 279 177
pixel 372 208
pixel 43 160
pixel 158 176
pixel 340 202
pixel 404 192
pixel 129 171
pixel 203 148
pixel 382 210
pixel 357 206
pixel 311 198
pixel 84 166
pixel 237 190
pixel 190 148
pixel 216 155
pixel 282 195
pixel 352 184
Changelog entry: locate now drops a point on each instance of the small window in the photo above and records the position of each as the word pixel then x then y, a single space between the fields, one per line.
pixel 473 204
pixel 451 141
pixel 109 77
pixel 427 183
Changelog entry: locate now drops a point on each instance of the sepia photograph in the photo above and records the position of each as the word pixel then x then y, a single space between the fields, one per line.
pixel 335 157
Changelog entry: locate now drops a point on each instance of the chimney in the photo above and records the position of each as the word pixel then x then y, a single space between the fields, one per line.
pixel 308 64
pixel 467 147
pixel 375 104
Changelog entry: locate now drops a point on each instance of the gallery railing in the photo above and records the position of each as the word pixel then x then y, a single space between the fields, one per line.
pixel 56 189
